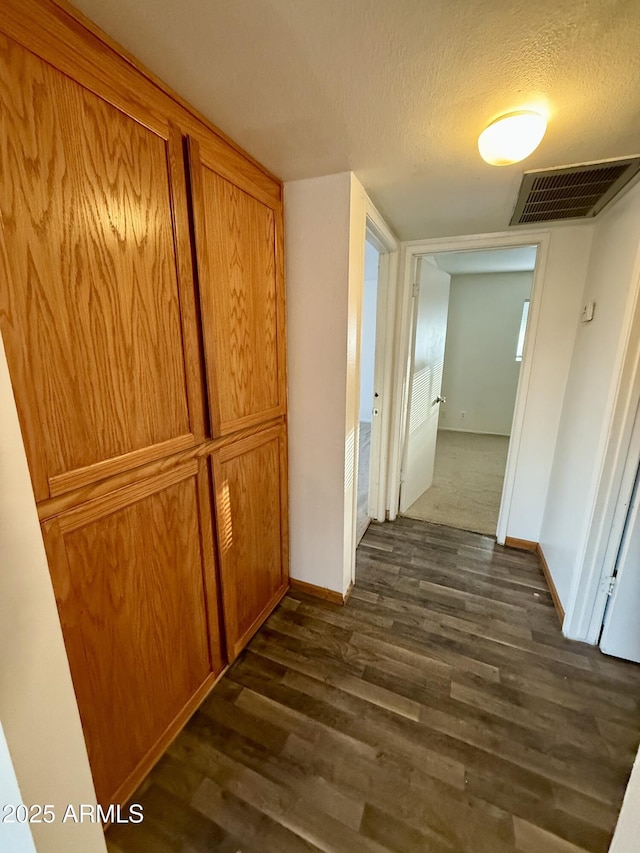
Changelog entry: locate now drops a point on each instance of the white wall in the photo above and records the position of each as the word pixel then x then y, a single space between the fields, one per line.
pixel 356 239
pixel 325 228
pixel 591 387
pixel 15 837
pixel 368 340
pixel 37 703
pixel 480 370
pixel 550 356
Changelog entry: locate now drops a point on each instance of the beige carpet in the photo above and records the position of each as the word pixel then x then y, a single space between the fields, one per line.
pixel 467 485
pixel 364 454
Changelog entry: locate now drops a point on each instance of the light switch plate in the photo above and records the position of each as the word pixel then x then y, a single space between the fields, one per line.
pixel 587 312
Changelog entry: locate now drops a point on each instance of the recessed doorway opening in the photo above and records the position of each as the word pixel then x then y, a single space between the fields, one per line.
pixel 374 376
pixel 469 319
pixel 368 394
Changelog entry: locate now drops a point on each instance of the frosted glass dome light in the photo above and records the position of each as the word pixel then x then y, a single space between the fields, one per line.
pixel 512 137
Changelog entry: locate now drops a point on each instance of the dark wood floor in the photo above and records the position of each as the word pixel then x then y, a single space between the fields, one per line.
pixel 440 710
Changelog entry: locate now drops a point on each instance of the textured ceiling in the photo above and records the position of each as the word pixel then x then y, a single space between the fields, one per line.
pixel 398 91
pixel 522 259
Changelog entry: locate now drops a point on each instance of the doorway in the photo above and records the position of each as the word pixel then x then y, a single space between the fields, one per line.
pixel 620 632
pixel 368 407
pixel 469 319
pixel 377 295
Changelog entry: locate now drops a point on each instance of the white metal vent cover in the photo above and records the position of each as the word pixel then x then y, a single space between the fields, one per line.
pixel 572 192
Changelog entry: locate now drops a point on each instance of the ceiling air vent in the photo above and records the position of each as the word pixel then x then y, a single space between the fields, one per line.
pixel 573 192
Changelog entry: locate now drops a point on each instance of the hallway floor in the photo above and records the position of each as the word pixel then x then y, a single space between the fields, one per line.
pixel 467 482
pixel 439 710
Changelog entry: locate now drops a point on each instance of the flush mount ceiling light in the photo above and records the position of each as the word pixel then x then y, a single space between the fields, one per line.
pixel 512 137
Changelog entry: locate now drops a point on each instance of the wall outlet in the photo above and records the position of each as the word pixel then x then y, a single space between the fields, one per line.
pixel 462 414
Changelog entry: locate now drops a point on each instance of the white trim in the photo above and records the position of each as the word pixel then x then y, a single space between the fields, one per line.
pixel 522 392
pixel 524 322
pixel 409 379
pixel 380 235
pixel 379 229
pixel 475 432
pixel 410 251
pixel 620 458
pixel 355 287
pixel 401 371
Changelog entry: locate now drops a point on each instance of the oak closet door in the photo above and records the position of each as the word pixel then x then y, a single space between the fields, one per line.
pixel 98 318
pixel 97 305
pixel 238 228
pixel 129 571
pixel 251 513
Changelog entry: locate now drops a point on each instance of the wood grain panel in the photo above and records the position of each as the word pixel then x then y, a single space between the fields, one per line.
pixel 64 483
pixel 128 787
pixel 90 309
pixel 60 503
pixel 67 40
pixel 187 293
pixel 239 295
pixel 281 309
pixel 217 648
pixel 520 544
pixel 103 324
pixel 254 576
pixel 127 571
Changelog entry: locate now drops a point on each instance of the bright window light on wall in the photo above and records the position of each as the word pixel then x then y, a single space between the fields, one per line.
pixel 523 329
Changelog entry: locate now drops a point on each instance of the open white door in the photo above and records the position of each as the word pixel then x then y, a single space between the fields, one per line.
pixel 621 631
pixel 430 309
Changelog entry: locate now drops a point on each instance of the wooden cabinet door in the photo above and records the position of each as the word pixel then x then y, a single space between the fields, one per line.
pixel 251 513
pixel 102 324
pixel 97 308
pixel 238 227
pixel 129 571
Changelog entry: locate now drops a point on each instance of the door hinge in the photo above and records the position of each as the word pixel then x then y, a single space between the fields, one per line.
pixel 611 584
pixel 416 289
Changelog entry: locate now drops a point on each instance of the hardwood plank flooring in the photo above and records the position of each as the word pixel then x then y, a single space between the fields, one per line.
pixel 440 710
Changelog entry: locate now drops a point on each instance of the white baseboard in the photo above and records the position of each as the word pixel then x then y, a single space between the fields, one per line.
pixel 474 432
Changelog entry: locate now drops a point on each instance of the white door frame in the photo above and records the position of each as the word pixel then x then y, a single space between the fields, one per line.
pixel 409 255
pixel 615 624
pixel 380 236
pixel 406 413
pixel 619 463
